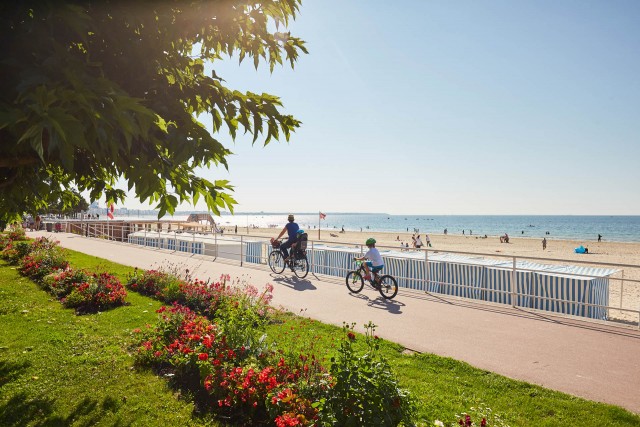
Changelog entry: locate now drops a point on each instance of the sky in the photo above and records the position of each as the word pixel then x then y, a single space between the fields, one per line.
pixel 449 107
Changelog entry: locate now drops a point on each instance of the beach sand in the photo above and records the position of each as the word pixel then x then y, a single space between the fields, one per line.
pixel 599 252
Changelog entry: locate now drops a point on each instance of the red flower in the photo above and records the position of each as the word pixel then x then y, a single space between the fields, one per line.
pixel 483 422
pixel 203 356
pixel 351 336
pixel 286 420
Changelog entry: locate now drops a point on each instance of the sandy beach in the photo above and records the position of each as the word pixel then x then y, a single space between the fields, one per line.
pixel 599 252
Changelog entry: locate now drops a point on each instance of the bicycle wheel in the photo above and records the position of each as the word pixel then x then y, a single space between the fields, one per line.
pixel 301 267
pixel 276 262
pixel 355 282
pixel 388 287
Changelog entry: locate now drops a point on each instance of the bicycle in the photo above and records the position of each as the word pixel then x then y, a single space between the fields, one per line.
pixel 385 284
pixel 297 262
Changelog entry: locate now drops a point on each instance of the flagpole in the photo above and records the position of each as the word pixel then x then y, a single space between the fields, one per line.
pixel 318 225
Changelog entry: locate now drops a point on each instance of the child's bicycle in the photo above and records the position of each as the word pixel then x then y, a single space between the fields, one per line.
pixel 297 262
pixel 385 284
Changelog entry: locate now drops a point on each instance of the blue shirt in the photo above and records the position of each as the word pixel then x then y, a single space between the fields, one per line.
pixel 292 229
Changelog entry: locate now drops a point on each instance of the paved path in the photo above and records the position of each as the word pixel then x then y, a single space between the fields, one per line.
pixel 590 360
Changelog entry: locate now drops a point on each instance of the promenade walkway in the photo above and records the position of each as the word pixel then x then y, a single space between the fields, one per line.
pixel 591 360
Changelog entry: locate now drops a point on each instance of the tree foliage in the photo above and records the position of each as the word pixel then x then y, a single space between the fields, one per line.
pixel 97 90
pixel 69 207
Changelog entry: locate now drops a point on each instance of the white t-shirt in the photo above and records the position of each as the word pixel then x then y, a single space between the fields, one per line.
pixel 374 255
pixel 418 242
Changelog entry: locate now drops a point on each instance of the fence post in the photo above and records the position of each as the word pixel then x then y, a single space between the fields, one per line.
pixel 514 277
pixel 241 245
pixel 426 266
pixel 621 288
pixel 313 256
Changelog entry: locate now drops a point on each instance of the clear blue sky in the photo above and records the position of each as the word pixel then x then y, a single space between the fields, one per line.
pixel 440 107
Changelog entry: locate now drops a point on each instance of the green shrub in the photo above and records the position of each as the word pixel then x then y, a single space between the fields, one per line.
pixel 365 391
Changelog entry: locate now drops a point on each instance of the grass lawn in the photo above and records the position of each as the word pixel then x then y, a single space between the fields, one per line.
pixel 59 369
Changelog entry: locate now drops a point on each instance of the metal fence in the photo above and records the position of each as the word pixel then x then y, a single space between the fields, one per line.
pixel 588 290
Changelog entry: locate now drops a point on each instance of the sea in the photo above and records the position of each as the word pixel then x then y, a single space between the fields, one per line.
pixel 567 227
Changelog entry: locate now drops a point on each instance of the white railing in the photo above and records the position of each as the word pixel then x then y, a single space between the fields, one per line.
pixel 617 295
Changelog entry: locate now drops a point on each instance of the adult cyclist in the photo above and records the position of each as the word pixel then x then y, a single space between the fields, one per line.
pixel 375 262
pixel 291 229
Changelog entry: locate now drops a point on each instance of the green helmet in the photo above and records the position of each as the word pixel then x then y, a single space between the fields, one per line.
pixel 370 241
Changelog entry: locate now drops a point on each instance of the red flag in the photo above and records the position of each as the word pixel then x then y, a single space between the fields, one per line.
pixel 322 216
pixel 110 211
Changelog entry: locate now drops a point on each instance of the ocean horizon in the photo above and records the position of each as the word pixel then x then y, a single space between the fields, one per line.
pixel 619 228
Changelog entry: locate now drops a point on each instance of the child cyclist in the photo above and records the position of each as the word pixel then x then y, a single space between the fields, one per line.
pixel 375 262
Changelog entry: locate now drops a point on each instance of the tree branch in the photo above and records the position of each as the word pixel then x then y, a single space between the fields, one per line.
pixel 17 162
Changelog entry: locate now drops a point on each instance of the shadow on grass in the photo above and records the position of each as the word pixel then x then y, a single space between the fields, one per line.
pixel 21 410
pixel 11 371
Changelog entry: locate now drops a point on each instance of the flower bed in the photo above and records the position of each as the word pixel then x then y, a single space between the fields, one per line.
pixel 221 359
pixel 44 257
pixel 44 262
pixel 99 292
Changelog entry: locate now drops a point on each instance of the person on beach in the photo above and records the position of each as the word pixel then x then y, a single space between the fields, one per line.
pixel 599 237
pixel 291 228
pixel 418 242
pixel 427 239
pixel 544 243
pixel 375 263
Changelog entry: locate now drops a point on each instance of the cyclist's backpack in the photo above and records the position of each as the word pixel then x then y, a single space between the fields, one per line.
pixel 301 245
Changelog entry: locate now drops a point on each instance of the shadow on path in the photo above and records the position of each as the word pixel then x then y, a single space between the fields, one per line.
pixel 392 306
pixel 294 283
